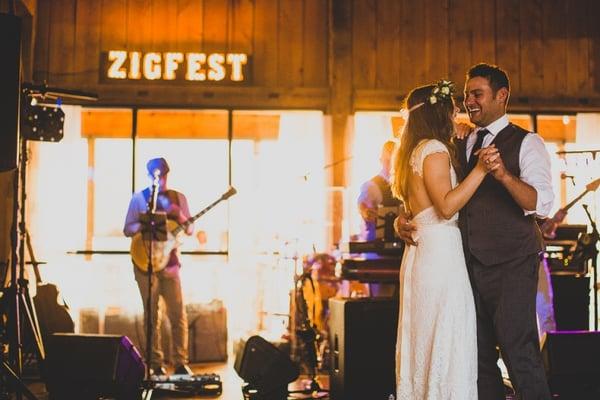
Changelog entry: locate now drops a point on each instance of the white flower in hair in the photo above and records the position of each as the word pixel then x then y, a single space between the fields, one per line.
pixel 446 90
pixel 432 99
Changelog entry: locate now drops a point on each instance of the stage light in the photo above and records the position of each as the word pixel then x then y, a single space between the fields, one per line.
pixel 42 123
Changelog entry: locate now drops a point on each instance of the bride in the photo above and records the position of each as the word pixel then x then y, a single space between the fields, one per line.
pixel 436 351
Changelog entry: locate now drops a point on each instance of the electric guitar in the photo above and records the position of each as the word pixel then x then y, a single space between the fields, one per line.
pixel 549 226
pixel 161 250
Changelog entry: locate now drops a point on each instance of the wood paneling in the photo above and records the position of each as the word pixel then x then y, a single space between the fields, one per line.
pixel 138 26
pixel 507 40
pixel 364 40
pixel 460 39
pixel 551 49
pixel 178 124
pixel 42 43
pixel 436 49
pixel 387 63
pixel 61 58
pixel 106 123
pixel 241 27
pixel 251 126
pixel 552 128
pixel 315 44
pixel 87 41
pixel 182 124
pixel 555 47
pixel 290 44
pixel 266 35
pixel 577 48
pixel 531 47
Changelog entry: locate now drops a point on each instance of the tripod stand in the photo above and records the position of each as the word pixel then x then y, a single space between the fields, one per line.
pixel 308 333
pixel 587 248
pixel 21 312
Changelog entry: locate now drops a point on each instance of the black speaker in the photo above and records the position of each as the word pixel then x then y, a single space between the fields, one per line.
pixel 93 366
pixel 571 360
pixel 571 302
pixel 265 368
pixel 362 335
pixel 10 76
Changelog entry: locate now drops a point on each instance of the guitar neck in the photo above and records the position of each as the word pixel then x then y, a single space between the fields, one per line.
pixel 193 218
pixel 575 200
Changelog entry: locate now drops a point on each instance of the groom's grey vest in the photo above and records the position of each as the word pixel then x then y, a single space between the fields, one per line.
pixel 492 224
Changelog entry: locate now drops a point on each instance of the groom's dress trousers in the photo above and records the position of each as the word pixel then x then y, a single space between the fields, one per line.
pixel 501 247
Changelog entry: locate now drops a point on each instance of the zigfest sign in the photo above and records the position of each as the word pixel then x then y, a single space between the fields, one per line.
pixel 121 65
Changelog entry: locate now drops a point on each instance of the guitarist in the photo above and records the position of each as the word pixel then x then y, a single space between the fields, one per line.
pixel 166 282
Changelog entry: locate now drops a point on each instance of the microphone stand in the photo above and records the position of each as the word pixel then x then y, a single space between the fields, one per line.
pixel 309 334
pixel 152 229
pixel 592 250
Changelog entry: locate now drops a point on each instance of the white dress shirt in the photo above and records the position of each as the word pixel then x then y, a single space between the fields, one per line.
pixel 534 162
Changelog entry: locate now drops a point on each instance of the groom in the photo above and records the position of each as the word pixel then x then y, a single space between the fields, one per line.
pixel 501 239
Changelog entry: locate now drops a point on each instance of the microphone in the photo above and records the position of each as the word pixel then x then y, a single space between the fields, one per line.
pixel 563 175
pixel 156 175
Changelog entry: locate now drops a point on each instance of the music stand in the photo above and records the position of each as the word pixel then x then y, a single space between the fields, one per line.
pixel 154 227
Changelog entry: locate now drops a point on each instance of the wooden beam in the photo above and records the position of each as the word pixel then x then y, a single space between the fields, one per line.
pixel 182 124
pixel 390 100
pixel 178 124
pixel 106 123
pixel 176 96
pixel 340 103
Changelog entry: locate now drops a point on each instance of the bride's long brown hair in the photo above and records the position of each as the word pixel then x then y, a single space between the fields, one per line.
pixel 428 121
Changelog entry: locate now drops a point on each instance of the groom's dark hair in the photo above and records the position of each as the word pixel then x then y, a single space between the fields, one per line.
pixel 494 74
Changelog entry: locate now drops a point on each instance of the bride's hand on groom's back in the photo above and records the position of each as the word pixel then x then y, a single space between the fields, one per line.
pixel 404 229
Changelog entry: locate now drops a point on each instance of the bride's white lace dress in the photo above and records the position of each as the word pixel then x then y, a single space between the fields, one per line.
pixel 436 351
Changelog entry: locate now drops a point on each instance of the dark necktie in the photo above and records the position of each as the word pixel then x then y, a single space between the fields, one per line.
pixel 478 143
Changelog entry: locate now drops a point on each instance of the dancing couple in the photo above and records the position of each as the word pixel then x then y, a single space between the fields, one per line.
pixel 469 272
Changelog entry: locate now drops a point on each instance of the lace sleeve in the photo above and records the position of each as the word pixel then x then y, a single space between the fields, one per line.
pixel 423 149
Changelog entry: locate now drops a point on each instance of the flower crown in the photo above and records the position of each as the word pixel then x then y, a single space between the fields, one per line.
pixel 442 90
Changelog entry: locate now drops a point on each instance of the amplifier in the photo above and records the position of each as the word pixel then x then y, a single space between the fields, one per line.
pixel 362 342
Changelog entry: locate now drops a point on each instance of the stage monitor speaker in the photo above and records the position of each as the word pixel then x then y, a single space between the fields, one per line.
pixel 571 302
pixel 93 366
pixel 265 368
pixel 362 335
pixel 10 76
pixel 571 363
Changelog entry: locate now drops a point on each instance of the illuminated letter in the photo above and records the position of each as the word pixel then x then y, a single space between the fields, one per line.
pixel 194 67
pixel 172 61
pixel 236 61
pixel 152 66
pixel 134 65
pixel 116 70
pixel 215 63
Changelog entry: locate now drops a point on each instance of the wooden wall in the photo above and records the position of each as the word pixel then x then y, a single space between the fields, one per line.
pixel 551 49
pixel 286 40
